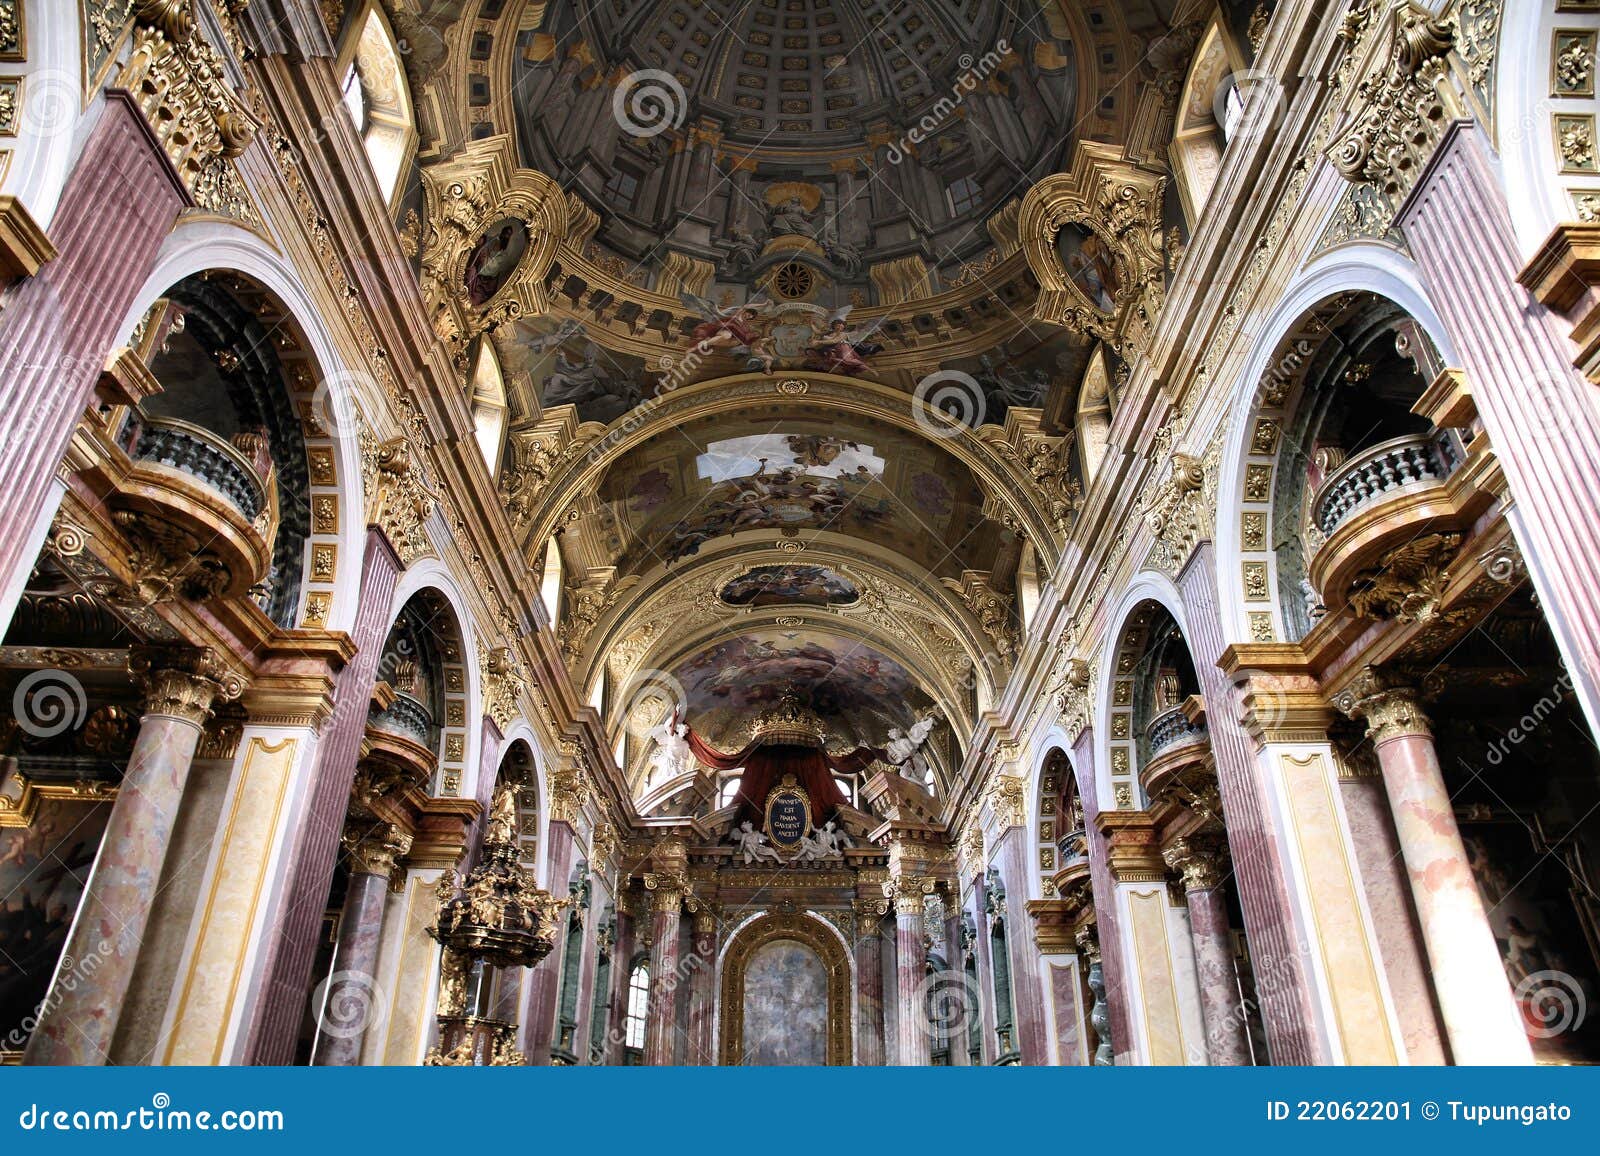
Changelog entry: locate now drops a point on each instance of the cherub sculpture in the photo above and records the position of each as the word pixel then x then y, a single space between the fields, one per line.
pixel 753 844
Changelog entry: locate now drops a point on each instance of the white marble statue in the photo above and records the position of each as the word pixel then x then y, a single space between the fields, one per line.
pixel 753 844
pixel 672 756
pixel 827 842
pixel 905 751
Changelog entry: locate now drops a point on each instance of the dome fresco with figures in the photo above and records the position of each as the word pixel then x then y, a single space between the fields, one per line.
pixel 656 532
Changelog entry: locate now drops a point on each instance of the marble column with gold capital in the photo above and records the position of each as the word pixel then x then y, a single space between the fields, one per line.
pixel 869 981
pixel 667 892
pixel 702 1044
pixel 1199 862
pixel 351 999
pixel 80 1017
pixel 1475 1002
pixel 913 1033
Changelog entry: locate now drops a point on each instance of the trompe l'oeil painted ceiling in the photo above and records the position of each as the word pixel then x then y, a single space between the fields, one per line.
pixel 788 301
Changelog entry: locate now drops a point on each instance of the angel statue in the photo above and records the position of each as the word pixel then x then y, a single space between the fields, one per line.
pixel 733 328
pixel 502 826
pixel 834 348
pixel 753 844
pixel 672 756
pixel 905 750
pixel 828 842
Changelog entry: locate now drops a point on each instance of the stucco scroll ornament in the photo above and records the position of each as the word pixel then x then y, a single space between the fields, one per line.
pixel 1006 799
pixel 1401 107
pixel 493 233
pixel 1175 514
pixel 503 683
pixel 1409 582
pixel 1072 697
pixel 992 609
pixel 178 79
pixel 400 499
pixel 568 782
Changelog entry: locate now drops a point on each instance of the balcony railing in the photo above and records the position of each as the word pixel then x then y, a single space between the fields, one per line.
pixel 1171 729
pixel 203 456
pixel 1385 469
pixel 405 717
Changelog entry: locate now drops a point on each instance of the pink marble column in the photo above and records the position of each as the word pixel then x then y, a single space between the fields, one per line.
pixel 661 1026
pixel 1480 1017
pixel 1260 870
pixel 914 1043
pixel 1027 984
pixel 58 327
pixel 352 997
pixel 291 945
pixel 1200 864
pixel 80 1016
pixel 869 982
pixel 702 1046
pixel 544 981
pixel 1104 973
pixel 1540 412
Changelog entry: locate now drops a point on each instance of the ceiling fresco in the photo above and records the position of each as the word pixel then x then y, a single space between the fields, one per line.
pixel 673 495
pixel 859 691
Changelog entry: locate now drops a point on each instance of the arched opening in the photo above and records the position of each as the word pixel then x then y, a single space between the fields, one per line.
pixel 487 395
pixel 1210 108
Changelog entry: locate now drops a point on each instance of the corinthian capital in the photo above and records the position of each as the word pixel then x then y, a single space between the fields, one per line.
pixel 909 892
pixel 1197 861
pixel 183 683
pixel 1391 710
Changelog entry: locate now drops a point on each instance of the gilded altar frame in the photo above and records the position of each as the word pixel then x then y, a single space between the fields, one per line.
pixel 835 959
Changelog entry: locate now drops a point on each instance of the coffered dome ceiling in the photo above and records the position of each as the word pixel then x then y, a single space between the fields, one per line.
pixel 733 258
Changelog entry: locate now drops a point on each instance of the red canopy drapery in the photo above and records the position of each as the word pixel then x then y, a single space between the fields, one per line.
pixel 765 764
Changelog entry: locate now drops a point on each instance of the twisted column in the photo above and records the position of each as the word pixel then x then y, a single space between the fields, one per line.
pixel 666 920
pixel 914 1044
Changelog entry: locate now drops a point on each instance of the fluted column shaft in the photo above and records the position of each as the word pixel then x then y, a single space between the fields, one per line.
pixel 869 983
pixel 914 1045
pixel 661 1027
pixel 1200 866
pixel 80 1016
pixel 702 1047
pixel 351 997
pixel 1475 1002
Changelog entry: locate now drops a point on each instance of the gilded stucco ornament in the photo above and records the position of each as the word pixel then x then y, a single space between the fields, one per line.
pixel 1402 106
pixel 1073 692
pixel 466 195
pixel 1176 514
pixel 1390 708
pixel 400 497
pixel 1120 205
pixel 179 82
pixel 503 683
pixel 1409 582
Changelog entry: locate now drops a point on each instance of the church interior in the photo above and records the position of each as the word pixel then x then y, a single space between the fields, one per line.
pixel 799 532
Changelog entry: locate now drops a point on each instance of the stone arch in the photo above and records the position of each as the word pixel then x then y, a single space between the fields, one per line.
pixel 458 768
pixel 1528 101
pixel 1363 268
pixel 373 61
pixel 51 94
pixel 1116 781
pixel 332 388
pixel 815 934
pixel 522 733
pixel 1057 811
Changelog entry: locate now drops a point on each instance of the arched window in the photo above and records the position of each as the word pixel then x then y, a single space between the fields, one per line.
pixel 638 1005
pixel 376 96
pixel 1210 109
pixel 488 402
